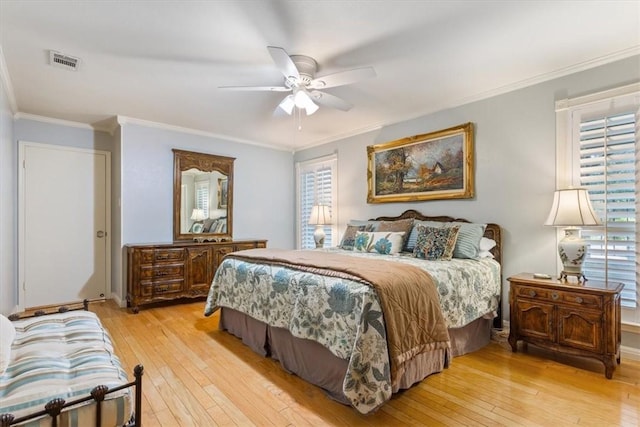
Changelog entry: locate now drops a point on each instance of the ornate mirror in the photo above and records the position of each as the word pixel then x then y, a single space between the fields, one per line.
pixel 202 196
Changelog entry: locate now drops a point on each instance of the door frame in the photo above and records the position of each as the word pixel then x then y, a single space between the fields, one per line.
pixel 22 145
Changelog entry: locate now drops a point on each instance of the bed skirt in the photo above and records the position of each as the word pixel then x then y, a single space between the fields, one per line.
pixel 317 365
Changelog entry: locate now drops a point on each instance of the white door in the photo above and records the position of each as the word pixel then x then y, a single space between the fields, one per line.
pixel 63 234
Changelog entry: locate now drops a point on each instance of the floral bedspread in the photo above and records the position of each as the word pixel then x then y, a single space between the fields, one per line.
pixel 345 316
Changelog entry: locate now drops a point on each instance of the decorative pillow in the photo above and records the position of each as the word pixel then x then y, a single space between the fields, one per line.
pixel 7 334
pixel 401 225
pixel 368 225
pixel 362 241
pixel 349 236
pixel 410 244
pixel 485 247
pixel 468 243
pixel 382 242
pixel 436 243
pixel 206 225
pixel 386 243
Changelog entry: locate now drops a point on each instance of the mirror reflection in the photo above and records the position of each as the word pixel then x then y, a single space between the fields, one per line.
pixel 203 196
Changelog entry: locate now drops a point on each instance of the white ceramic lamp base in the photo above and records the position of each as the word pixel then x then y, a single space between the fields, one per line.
pixel 318 236
pixel 572 250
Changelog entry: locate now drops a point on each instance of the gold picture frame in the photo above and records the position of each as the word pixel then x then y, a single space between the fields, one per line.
pixel 431 166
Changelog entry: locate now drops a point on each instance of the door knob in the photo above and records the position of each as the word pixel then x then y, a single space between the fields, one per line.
pixel 101 233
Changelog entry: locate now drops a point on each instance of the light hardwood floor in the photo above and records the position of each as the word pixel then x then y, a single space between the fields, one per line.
pixel 196 375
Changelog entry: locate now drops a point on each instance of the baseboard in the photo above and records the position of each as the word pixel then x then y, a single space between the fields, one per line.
pixel 631 353
pixel 119 301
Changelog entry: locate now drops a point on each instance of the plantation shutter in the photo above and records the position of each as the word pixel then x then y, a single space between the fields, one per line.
pixel 316 185
pixel 202 197
pixel 609 171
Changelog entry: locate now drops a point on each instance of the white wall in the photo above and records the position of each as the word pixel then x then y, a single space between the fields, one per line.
pixel 8 210
pixel 514 164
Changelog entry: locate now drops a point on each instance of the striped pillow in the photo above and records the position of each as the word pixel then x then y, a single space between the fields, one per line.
pixel 468 243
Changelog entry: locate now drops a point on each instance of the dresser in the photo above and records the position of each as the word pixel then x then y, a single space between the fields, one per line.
pixel 581 319
pixel 162 272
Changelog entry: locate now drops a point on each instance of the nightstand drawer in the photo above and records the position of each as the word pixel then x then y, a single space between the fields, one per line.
pixel 533 292
pixel 583 300
pixel 554 295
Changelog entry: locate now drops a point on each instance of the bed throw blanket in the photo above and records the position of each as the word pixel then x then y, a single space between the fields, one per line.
pixel 408 296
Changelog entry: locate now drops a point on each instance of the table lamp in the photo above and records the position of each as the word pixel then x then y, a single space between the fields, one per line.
pixel 572 209
pixel 320 216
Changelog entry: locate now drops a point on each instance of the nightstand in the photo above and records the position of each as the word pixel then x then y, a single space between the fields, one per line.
pixel 581 319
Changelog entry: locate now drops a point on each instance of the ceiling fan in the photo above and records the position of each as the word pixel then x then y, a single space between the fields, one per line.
pixel 300 79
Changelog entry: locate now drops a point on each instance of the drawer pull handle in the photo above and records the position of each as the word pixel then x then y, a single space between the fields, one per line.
pixel 160 289
pixel 579 300
pixel 554 296
pixel 162 257
pixel 532 293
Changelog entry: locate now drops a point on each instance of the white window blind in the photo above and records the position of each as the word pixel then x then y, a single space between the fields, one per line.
pixel 608 159
pixel 202 197
pixel 317 184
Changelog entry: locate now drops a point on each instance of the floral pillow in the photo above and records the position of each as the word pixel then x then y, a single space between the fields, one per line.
pixel 349 236
pixel 436 243
pixel 401 225
pixel 382 242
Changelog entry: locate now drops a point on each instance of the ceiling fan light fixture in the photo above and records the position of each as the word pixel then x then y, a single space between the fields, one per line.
pixel 303 100
pixel 287 104
pixel 311 108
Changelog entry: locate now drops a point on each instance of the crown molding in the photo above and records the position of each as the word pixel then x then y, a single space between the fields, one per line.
pixel 5 79
pixel 69 123
pixel 123 120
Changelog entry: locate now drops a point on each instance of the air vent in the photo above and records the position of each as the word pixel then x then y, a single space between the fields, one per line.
pixel 63 61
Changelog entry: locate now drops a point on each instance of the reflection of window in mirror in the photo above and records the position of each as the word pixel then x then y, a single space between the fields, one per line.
pixel 202 196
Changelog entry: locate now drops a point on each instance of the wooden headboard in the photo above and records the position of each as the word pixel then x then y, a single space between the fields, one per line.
pixel 491 232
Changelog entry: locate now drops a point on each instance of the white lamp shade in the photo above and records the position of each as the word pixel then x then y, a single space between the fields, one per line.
pixel 303 100
pixel 198 215
pixel 572 208
pixel 287 104
pixel 320 215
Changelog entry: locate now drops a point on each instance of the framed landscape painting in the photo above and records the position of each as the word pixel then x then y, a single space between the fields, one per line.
pixel 432 166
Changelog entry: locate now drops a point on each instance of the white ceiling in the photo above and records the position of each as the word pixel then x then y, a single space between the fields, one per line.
pixel 163 61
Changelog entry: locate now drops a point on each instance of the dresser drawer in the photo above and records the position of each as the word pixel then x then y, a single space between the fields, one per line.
pixel 149 256
pixel 166 271
pixel 148 288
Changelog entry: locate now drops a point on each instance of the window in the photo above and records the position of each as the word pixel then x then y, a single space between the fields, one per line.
pixel 316 184
pixel 601 133
pixel 202 197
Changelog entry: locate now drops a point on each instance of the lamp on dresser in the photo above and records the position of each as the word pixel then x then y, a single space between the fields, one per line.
pixel 320 216
pixel 572 209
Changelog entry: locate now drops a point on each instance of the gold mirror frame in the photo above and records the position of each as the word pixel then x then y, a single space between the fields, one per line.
pixel 186 160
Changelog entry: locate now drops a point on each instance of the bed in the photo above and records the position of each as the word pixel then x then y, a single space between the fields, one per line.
pixel 60 369
pixel 364 324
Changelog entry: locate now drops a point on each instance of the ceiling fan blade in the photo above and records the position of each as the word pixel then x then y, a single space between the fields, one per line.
pixel 283 62
pixel 257 88
pixel 342 78
pixel 328 100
